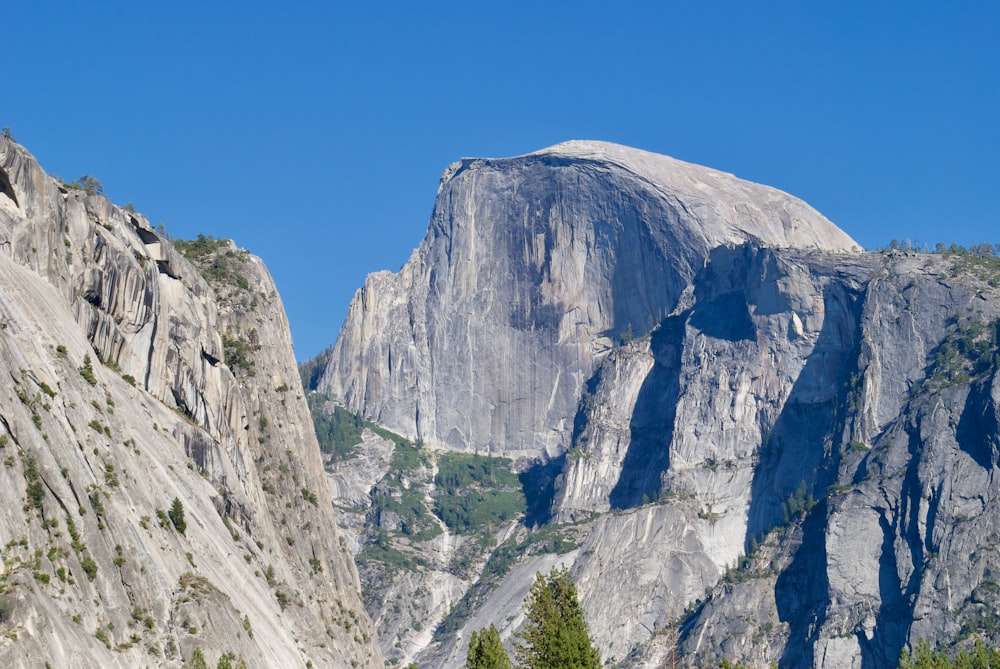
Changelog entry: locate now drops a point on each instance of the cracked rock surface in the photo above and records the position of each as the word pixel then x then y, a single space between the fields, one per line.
pixel 765 444
pixel 131 380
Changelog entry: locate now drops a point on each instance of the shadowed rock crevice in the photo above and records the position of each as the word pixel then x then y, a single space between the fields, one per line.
pixel 802 446
pixel 6 189
pixel 652 425
pixel 893 617
pixel 977 429
pixel 724 317
pixel 538 485
pixel 147 236
pixel 801 592
pixel 902 560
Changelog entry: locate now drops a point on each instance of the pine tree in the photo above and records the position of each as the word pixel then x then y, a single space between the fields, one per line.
pixel 197 660
pixel 176 514
pixel 555 634
pixel 486 651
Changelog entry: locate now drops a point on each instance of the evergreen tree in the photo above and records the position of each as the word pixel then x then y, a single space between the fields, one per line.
pixel 925 658
pixel 197 660
pixel 486 651
pixel 176 514
pixel 555 634
pixel 88 184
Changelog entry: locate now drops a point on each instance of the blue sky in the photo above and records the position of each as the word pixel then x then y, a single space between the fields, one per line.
pixel 314 133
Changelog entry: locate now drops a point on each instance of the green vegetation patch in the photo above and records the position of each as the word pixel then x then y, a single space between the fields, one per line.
pixel 382 552
pixel 87 371
pixel 35 488
pixel 980 261
pixel 337 429
pixel 237 353
pixel 476 492
pixel 217 261
pixel 407 503
pixel 400 515
pixel 201 248
pixel 406 456
pixel 968 351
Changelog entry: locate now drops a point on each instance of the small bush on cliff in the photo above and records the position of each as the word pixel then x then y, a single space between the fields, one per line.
pixel 87 371
pixel 89 185
pixel 89 567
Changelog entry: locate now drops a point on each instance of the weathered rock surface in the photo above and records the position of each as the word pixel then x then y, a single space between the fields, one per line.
pixel 190 392
pixel 790 457
pixel 533 267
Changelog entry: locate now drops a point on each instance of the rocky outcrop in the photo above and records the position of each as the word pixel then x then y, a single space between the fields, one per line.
pixel 134 381
pixel 534 267
pixel 790 455
pixel 895 548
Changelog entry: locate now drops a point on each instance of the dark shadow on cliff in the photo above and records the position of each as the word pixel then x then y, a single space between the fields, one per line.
pixel 978 424
pixel 538 484
pixel 580 419
pixel 802 592
pixel 652 423
pixel 724 317
pixel 895 612
pixel 803 443
pixel 802 452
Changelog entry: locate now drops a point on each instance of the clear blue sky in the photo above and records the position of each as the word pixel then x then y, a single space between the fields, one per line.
pixel 313 133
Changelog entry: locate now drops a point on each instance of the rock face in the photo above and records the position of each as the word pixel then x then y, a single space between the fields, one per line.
pixel 132 381
pixel 790 456
pixel 534 267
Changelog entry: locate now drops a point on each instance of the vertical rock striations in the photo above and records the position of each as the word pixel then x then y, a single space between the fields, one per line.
pixel 136 378
pixel 533 267
pixel 767 447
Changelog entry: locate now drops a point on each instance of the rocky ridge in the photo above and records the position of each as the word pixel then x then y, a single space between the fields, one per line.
pixel 136 378
pixel 789 456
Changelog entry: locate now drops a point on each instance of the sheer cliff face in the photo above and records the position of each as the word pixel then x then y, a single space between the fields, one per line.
pixel 532 268
pixel 798 465
pixel 793 457
pixel 131 382
pixel 890 424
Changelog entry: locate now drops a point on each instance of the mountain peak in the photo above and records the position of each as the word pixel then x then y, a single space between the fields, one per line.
pixel 730 209
pixel 569 248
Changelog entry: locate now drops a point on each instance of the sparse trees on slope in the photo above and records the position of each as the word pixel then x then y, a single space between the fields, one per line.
pixel 555 634
pixel 486 651
pixel 925 658
pixel 89 185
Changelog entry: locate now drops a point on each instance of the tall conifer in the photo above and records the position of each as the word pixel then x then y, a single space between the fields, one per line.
pixel 555 634
pixel 486 651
